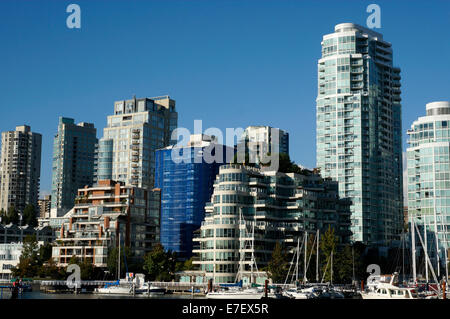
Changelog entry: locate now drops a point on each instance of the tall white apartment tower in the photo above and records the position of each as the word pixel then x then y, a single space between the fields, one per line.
pixel 429 176
pixel 20 169
pixel 263 134
pixel 136 130
pixel 358 138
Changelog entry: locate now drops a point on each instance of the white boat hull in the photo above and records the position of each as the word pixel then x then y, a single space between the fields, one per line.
pixel 374 296
pixel 234 295
pixel 114 291
pixel 154 291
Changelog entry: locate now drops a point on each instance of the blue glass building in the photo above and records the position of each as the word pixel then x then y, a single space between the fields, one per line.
pixel 186 182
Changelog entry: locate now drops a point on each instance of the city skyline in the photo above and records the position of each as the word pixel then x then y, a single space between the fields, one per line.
pixel 287 65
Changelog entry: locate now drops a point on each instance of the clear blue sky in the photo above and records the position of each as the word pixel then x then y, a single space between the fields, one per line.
pixel 229 63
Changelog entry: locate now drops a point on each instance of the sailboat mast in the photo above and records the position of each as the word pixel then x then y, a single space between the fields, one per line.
pixel 426 257
pixel 353 264
pixel 296 264
pixel 317 257
pixel 253 251
pixel 304 265
pixel 238 275
pixel 436 237
pixel 118 266
pixel 331 267
pixel 425 246
pixel 403 255
pixel 413 249
pixel 445 248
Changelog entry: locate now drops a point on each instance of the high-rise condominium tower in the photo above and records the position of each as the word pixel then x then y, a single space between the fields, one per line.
pixel 429 176
pixel 20 169
pixel 73 163
pixel 273 139
pixel 359 129
pixel 138 127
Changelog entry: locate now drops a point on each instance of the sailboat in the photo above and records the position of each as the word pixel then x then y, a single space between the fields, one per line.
pixel 236 291
pixel 119 287
pixel 297 292
pixel 435 288
pixel 312 290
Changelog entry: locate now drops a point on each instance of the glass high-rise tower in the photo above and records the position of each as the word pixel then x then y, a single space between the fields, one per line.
pixel 359 129
pixel 429 175
pixel 73 163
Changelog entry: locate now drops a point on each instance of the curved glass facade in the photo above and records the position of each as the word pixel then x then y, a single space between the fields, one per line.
pixel 280 206
pixel 428 157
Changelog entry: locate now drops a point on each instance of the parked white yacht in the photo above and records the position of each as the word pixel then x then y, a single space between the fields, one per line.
pixel 384 290
pixel 131 285
pixel 148 288
pixel 236 293
pixel 116 288
pixel 298 293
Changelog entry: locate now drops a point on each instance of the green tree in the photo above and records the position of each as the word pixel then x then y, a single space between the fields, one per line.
pixel 278 266
pixel 328 246
pixel 29 262
pixel 4 217
pixel 343 268
pixel 184 265
pixel 45 252
pixel 160 265
pixel 50 270
pixel 87 270
pixel 13 215
pixel 30 248
pixel 188 264
pixel 29 216
pixel 285 165
pixel 112 260
pixel 25 268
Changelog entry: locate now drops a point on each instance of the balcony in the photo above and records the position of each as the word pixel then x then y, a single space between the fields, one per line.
pixel 357 70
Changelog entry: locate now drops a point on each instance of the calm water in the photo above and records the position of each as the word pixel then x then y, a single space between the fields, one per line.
pixel 41 295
